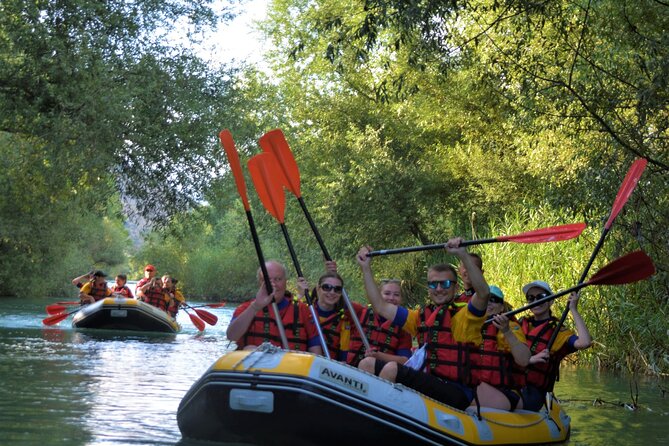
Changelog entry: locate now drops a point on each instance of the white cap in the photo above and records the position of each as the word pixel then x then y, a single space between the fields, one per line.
pixel 539 284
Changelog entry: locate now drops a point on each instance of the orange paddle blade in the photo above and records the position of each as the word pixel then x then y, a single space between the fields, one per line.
pixel 55 309
pixel 552 234
pixel 266 175
pixel 626 189
pixel 53 320
pixel 629 268
pixel 196 321
pixel 233 158
pixel 275 141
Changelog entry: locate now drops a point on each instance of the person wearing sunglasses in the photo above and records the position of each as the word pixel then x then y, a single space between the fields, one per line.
pixel 542 371
pixel 253 323
pixel 333 315
pixel 447 332
pixel 388 342
pixel 498 364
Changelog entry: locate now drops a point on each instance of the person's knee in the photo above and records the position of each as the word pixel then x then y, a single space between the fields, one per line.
pixel 367 364
pixel 389 372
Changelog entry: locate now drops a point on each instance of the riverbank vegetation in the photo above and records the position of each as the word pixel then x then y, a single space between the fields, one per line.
pixel 411 123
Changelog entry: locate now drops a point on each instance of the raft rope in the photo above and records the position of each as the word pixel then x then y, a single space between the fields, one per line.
pixel 265 347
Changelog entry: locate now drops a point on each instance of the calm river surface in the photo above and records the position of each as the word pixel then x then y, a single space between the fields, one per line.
pixel 66 387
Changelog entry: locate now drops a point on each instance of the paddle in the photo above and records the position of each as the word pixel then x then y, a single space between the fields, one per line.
pixel 53 320
pixel 265 173
pixel 275 142
pixel 551 234
pixel 206 316
pixel 215 305
pixel 626 188
pixel 233 158
pixel 629 268
pixel 195 320
pixel 56 309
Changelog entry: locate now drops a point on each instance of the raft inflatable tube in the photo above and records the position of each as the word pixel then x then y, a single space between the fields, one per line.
pixel 119 313
pixel 275 397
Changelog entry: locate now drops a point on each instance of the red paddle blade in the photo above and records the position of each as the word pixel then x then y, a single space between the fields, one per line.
pixel 55 308
pixel 275 142
pixel 552 234
pixel 266 175
pixel 233 158
pixel 196 321
pixel 206 316
pixel 53 320
pixel 626 189
pixel 629 268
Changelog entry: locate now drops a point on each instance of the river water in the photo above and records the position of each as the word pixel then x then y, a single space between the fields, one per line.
pixel 65 387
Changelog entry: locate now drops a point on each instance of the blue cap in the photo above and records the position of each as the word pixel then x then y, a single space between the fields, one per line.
pixel 496 291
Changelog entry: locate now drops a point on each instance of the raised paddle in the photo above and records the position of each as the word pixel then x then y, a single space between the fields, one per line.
pixel 626 188
pixel 543 235
pixel 206 316
pixel 629 268
pixel 53 320
pixel 265 174
pixel 275 142
pixel 233 158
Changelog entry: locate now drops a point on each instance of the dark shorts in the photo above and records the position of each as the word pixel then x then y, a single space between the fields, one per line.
pixel 512 395
pixel 533 398
pixel 448 392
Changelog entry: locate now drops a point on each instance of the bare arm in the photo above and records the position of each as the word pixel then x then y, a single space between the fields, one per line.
pixel 381 307
pixel 519 350
pixel 584 338
pixel 482 292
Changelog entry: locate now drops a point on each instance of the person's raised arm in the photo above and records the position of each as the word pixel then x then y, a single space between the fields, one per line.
pixel 482 291
pixel 584 338
pixel 381 307
pixel 240 325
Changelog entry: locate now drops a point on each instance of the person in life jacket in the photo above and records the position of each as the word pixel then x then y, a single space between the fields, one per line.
pixel 498 361
pixel 447 334
pixel 333 316
pixel 468 289
pixel 176 297
pixel 149 273
pixel 120 288
pixel 388 342
pixel 253 322
pixel 542 371
pixel 152 293
pixel 95 289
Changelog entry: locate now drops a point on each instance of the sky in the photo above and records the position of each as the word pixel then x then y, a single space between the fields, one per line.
pixel 238 39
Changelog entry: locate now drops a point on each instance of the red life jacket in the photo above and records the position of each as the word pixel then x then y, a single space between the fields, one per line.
pixel 98 293
pixel 331 328
pixel 156 297
pixel 541 375
pixel 446 358
pixel 295 316
pixel 493 366
pixel 383 337
pixel 124 290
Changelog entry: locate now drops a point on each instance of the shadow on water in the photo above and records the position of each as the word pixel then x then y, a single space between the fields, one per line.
pixel 67 387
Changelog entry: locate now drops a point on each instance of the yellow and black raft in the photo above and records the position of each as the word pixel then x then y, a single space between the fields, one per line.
pixel 119 313
pixel 275 397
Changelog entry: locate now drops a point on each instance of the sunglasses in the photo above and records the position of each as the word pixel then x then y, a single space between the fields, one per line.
pixel 434 284
pixel 327 288
pixel 531 298
pixel 495 299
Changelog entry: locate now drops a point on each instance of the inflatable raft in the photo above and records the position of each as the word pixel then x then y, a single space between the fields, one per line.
pixel 275 397
pixel 119 313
